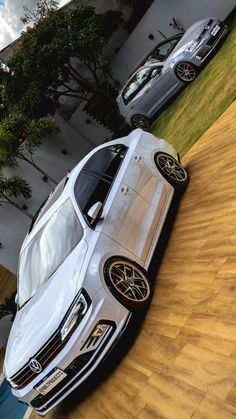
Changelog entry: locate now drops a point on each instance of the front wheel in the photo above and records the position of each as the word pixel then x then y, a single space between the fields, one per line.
pixel 140 121
pixel 128 282
pixel 186 72
pixel 171 170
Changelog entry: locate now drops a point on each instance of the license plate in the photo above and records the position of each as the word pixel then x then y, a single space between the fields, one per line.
pixel 49 382
pixel 215 30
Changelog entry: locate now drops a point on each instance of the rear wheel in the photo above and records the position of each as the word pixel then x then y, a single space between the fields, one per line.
pixel 140 121
pixel 186 72
pixel 172 170
pixel 128 282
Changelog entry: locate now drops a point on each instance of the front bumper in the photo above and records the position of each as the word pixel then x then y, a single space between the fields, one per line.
pixel 209 44
pixel 81 355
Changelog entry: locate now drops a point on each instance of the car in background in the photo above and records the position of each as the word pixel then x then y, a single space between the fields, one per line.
pixel 83 265
pixel 171 64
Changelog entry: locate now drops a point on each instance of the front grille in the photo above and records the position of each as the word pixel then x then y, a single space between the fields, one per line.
pixel 76 365
pixel 213 39
pixel 51 348
pixel 209 23
pixel 203 52
pixel 80 363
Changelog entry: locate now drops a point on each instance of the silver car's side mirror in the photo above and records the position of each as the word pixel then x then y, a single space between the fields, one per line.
pixel 156 71
pixel 95 211
pixel 16 299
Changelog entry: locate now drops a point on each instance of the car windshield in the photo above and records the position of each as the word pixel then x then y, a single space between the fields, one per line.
pixel 162 51
pixel 47 250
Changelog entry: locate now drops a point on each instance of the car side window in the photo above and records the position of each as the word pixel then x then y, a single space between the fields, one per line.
pixel 106 162
pixel 138 81
pixel 95 179
pixel 90 189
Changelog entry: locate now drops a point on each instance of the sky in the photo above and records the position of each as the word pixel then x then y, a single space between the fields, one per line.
pixel 10 14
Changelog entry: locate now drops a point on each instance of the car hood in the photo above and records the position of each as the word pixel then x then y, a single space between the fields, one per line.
pixel 191 34
pixel 38 320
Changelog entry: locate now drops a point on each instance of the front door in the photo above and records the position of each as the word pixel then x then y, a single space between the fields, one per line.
pixel 128 219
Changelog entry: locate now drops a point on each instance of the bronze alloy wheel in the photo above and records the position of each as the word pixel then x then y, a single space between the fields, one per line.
pixel 171 170
pixel 128 282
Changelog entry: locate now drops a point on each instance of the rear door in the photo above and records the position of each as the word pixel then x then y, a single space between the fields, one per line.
pixel 140 174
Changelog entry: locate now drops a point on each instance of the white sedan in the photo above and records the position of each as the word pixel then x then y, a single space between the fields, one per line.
pixel 83 265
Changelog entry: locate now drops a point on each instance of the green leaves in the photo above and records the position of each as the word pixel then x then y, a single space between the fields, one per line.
pixel 41 69
pixel 20 136
pixel 13 187
pixel 9 145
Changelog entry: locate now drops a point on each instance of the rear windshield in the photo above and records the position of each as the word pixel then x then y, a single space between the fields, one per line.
pixel 47 250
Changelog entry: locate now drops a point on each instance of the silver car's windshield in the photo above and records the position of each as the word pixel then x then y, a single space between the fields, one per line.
pixel 162 51
pixel 47 250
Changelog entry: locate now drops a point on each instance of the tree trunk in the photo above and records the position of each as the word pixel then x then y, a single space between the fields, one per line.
pixel 39 169
pixel 9 201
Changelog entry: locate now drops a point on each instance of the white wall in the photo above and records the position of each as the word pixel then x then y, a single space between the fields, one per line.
pixel 94 132
pixel 13 224
pixel 158 17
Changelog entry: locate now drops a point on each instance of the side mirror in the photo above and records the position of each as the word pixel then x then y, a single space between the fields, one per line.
pixel 156 71
pixel 17 299
pixel 95 211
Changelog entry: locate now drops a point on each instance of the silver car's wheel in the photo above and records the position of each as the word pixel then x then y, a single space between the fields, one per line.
pixel 171 169
pixel 140 121
pixel 128 282
pixel 186 72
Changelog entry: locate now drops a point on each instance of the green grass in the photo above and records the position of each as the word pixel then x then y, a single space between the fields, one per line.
pixel 202 102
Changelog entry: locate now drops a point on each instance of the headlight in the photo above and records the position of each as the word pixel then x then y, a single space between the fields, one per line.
pixel 192 46
pixel 75 314
pixel 13 385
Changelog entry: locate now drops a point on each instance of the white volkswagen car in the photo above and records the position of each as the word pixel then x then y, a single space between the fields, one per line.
pixel 83 265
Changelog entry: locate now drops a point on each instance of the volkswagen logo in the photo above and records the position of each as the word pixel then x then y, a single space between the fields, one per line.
pixel 35 366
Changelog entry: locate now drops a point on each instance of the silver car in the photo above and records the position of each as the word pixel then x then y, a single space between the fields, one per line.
pixel 170 65
pixel 83 265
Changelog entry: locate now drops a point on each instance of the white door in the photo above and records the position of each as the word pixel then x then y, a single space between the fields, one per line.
pixel 129 220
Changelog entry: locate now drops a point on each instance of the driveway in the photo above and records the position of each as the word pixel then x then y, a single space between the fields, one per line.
pixel 10 408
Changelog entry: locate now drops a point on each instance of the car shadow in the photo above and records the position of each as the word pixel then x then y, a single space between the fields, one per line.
pixel 105 369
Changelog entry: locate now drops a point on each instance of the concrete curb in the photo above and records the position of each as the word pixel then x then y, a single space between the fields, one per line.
pixel 1 378
pixel 28 413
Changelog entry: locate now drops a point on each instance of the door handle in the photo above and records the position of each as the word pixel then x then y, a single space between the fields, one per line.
pixel 137 158
pixel 147 90
pixel 124 190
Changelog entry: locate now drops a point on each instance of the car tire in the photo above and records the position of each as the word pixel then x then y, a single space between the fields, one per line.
pixel 119 274
pixel 140 121
pixel 171 170
pixel 186 71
